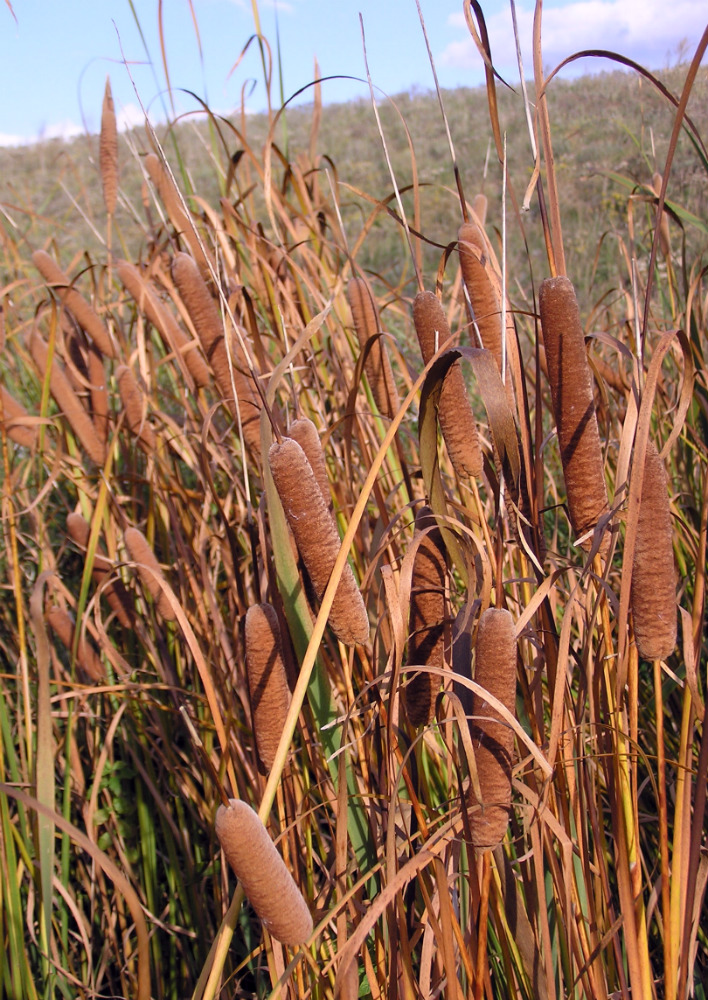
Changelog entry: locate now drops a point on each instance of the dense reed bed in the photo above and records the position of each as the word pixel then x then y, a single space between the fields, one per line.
pixel 382 593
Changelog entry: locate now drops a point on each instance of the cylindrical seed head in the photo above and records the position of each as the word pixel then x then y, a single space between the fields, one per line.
pixel 317 538
pixel 653 595
pixel 305 433
pixel 84 313
pixel 493 739
pixel 573 405
pixel 149 570
pixel 13 423
pixel 108 151
pixel 256 863
pixel 135 409
pixel 267 680
pixel 377 365
pixel 63 625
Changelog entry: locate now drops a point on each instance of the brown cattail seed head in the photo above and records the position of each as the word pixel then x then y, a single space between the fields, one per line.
pixel 108 151
pixel 67 400
pixel 206 317
pixel 114 592
pixel 267 681
pixel 135 409
pixel 457 421
pixel 492 738
pixel 13 421
pixel 305 433
pixel 573 405
pixel 377 364
pixel 179 217
pixel 269 886
pixel 149 570
pixel 63 625
pixel 426 645
pixel 653 594
pixel 84 314
pixel 317 538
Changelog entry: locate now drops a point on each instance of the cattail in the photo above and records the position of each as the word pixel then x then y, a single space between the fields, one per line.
pixel 164 322
pixel 377 364
pixel 653 593
pixel 179 217
pixel 269 886
pixel 149 571
pixel 86 656
pixel 267 680
pixel 664 232
pixel 457 421
pixel 108 151
pixel 305 433
pixel 317 538
pixel 67 400
pixel 99 392
pixel 573 405
pixel 484 290
pixel 426 645
pixel 135 408
pixel 492 738
pixel 13 421
pixel 84 313
pixel 207 321
pixel 479 207
pixel 114 592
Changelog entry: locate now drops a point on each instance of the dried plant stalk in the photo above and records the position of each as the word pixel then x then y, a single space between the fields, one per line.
pixel 207 321
pixel 67 400
pixel 84 313
pixel 164 322
pixel 377 365
pixel 305 433
pixel 573 405
pixel 428 614
pixel 493 739
pixel 317 538
pixel 664 231
pixel 180 219
pixel 267 681
pixel 14 417
pixel 114 592
pixel 86 656
pixel 108 151
pixel 457 421
pixel 653 595
pixel 149 571
pixel 266 881
pixel 135 407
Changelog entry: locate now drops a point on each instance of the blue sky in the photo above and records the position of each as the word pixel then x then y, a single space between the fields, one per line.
pixel 55 57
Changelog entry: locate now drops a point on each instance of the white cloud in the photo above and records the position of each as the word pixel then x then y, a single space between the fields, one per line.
pixel 129 116
pixel 7 139
pixel 645 30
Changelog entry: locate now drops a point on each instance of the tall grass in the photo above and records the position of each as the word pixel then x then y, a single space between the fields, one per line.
pixel 151 526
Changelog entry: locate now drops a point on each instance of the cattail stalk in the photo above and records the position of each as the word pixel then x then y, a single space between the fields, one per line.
pixel 87 658
pixel 67 400
pixel 573 405
pixel 428 613
pixel 653 594
pixel 456 417
pixel 492 738
pixel 149 571
pixel 134 405
pixel 108 151
pixel 114 592
pixel 13 421
pixel 317 538
pixel 267 681
pixel 84 313
pixel 256 863
pixel 664 231
pixel 377 364
pixel 207 321
pixel 164 322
